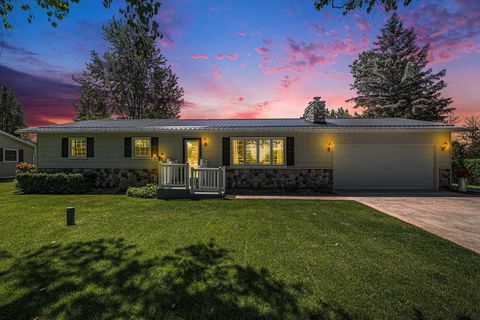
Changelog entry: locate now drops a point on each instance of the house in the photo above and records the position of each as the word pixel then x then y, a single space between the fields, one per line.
pixel 12 151
pixel 307 152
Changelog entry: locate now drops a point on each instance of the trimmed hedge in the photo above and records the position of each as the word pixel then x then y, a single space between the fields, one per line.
pixel 473 165
pixel 55 183
pixel 148 192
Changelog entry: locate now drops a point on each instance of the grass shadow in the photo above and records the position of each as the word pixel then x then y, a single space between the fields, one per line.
pixel 111 279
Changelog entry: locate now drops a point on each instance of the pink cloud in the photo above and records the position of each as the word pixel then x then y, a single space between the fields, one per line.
pixel 262 50
pixel 171 24
pixel 287 82
pixel 220 56
pixel 232 56
pixel 239 100
pixel 216 74
pixel 197 56
pixel 452 32
pixel 362 23
pixel 241 34
pixel 253 112
pixel 300 56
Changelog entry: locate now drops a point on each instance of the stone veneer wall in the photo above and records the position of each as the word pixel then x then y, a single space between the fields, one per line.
pixel 250 178
pixel 119 178
pixel 444 179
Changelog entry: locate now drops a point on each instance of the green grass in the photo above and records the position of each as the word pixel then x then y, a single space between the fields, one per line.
pixel 150 259
pixel 470 186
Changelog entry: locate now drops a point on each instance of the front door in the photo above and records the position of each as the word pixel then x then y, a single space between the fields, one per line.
pixel 191 151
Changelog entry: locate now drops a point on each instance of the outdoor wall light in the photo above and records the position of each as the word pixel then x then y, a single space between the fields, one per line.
pixel 205 141
pixel 445 146
pixel 329 147
pixel 162 156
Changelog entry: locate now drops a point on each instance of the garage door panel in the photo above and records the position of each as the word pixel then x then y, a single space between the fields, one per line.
pixel 383 167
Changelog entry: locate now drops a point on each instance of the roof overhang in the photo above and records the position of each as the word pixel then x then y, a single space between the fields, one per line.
pixel 17 139
pixel 80 130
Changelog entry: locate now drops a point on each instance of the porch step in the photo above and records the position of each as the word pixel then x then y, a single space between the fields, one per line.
pixel 170 194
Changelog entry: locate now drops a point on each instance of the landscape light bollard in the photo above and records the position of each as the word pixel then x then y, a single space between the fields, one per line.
pixel 70 216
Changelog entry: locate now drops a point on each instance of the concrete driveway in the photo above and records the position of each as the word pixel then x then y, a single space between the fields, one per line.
pixel 451 217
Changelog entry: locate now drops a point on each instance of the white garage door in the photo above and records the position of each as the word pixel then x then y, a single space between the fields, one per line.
pixel 382 166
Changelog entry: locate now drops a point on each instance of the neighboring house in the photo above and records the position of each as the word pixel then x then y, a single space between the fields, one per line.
pixel 308 152
pixel 12 151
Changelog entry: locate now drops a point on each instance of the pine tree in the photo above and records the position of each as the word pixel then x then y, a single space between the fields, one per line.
pixel 12 117
pixel 392 79
pixel 132 80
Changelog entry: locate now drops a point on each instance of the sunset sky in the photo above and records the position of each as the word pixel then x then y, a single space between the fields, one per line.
pixel 240 59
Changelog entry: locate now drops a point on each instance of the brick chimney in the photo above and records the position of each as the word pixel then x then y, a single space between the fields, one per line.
pixel 315 112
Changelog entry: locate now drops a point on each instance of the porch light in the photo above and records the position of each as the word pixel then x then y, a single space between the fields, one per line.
pixel 205 141
pixel 445 146
pixel 329 147
pixel 162 156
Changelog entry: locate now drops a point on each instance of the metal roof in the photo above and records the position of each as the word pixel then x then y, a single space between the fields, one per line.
pixel 140 125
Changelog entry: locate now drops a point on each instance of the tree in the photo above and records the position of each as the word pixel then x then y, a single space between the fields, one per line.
pixel 349 5
pixel 340 113
pixel 133 79
pixel 472 137
pixel 391 80
pixel 11 111
pixel 57 10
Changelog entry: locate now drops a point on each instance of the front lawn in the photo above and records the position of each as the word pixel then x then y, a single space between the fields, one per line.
pixel 150 259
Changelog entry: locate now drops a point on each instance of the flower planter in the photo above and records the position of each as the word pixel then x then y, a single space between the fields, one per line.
pixel 462 184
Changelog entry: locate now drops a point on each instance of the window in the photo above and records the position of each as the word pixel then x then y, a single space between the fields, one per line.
pixel 258 151
pixel 10 155
pixel 78 148
pixel 141 147
pixel 238 152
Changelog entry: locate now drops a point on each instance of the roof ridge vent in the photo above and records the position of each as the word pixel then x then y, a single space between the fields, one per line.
pixel 315 112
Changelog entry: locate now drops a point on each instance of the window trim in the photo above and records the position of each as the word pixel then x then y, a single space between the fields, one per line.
pixel 134 156
pixel 257 165
pixel 10 149
pixel 72 157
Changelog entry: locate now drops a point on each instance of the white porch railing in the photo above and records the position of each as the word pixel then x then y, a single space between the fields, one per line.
pixel 207 180
pixel 173 176
pixel 197 180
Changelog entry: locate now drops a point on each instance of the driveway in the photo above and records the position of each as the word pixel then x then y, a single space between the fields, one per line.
pixel 454 218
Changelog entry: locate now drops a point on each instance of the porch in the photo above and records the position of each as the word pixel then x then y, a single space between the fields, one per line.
pixel 180 180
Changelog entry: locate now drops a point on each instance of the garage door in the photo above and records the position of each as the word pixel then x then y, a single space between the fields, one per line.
pixel 381 166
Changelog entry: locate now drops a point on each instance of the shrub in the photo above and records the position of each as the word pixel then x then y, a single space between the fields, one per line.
pixel 56 183
pixel 462 173
pixel 473 165
pixel 24 167
pixel 149 191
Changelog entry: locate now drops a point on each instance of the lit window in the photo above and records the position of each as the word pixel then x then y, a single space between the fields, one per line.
pixel 78 147
pixel 278 152
pixel 251 151
pixel 258 151
pixel 264 151
pixel 238 152
pixel 141 147
pixel 10 155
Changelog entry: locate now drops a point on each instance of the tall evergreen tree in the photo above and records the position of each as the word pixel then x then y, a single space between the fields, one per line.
pixel 11 111
pixel 132 80
pixel 392 79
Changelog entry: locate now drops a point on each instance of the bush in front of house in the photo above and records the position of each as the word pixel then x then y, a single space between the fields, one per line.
pixel 473 165
pixel 147 192
pixel 55 183
pixel 25 167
